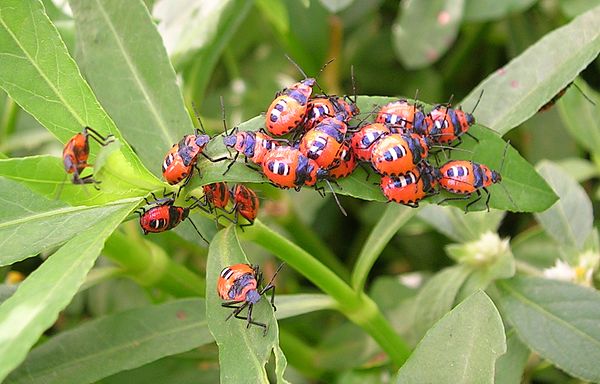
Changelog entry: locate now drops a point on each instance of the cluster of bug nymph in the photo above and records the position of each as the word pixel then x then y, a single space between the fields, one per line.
pixel 321 143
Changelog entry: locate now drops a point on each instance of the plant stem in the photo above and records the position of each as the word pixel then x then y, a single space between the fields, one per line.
pixel 149 265
pixel 9 119
pixel 357 306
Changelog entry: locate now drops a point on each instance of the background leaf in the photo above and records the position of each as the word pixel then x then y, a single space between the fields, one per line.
pixel 424 31
pixel 115 343
pixel 557 320
pixel 534 77
pixel 124 59
pixel 459 227
pixel 569 220
pixel 510 366
pixel 38 300
pixel 485 10
pixel 460 348
pixel 32 224
pixel 243 352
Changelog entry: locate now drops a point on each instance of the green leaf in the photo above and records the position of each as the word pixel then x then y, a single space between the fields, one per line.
pixel 38 73
pixel 579 169
pixel 437 297
pixel 32 224
pixel 335 6
pixel 6 291
pixel 572 8
pixel 46 176
pixel 425 30
pixel 299 304
pixel 556 320
pixel 394 217
pixel 124 59
pixel 579 115
pixel 537 75
pixel 460 348
pixel 485 10
pixel 459 227
pixel 570 220
pixel 243 352
pixel 48 290
pixel 276 12
pixel 116 343
pixel 510 366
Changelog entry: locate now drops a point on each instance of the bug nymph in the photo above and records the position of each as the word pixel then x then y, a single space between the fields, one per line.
pixel 240 284
pixel 77 151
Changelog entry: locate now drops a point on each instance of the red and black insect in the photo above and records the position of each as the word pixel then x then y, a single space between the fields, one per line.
pixel 465 177
pixel 411 187
pixel 181 159
pixel 401 116
pixel 396 154
pixel 245 204
pixel 444 124
pixel 286 167
pixel 163 215
pixel 77 151
pixel 254 145
pixel 345 163
pixel 323 143
pixel 365 137
pixel 289 108
pixel 342 108
pixel 216 195
pixel 240 285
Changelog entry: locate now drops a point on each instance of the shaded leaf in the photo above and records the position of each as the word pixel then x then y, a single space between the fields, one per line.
pixel 299 304
pixel 31 224
pixel 537 75
pixel 511 365
pixel 580 116
pixel 425 30
pixel 116 343
pixel 125 61
pixel 48 290
pixel 572 8
pixel 556 320
pixel 569 221
pixel 460 348
pixel 459 227
pixel 484 10
pixel 243 352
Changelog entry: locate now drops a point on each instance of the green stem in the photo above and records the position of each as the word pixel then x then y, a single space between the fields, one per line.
pixel 357 306
pixel 308 239
pixel 149 265
pixel 9 119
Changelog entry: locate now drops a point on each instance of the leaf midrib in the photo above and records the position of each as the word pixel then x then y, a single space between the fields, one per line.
pixel 136 76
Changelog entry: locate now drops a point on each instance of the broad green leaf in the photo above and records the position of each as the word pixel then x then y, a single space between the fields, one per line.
pixel 243 352
pixel 580 116
pixel 528 191
pixel 516 91
pixel 462 347
pixel 394 217
pixel 425 30
pixel 123 57
pixel 46 176
pixel 572 8
pixel 38 73
pixel 116 343
pixel 510 366
pixel 48 290
pixel 31 224
pixel 299 304
pixel 437 297
pixel 459 227
pixel 569 221
pixel 557 320
pixel 579 169
pixel 6 291
pixel 485 10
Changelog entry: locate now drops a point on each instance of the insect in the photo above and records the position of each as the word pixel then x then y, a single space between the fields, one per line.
pixel 289 108
pixel 181 159
pixel 246 204
pixel 216 195
pixel 560 94
pixel 411 187
pixel 398 153
pixel 254 145
pixel 401 116
pixel 342 108
pixel 346 163
pixel 365 137
pixel 163 215
pixel 465 177
pixel 323 143
pixel 286 167
pixel 240 285
pixel 444 124
pixel 77 151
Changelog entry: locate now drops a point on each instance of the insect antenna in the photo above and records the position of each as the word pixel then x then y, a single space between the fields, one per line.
pixel 197 114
